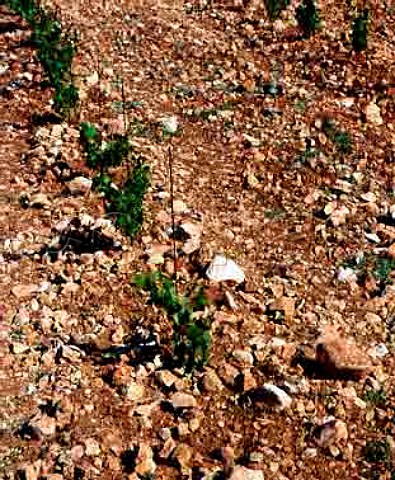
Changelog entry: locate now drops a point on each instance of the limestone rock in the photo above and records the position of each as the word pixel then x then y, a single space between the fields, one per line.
pixel 194 232
pixel 134 391
pixel 183 400
pixel 223 269
pixel 244 357
pixel 39 201
pixel 269 395
pixel 80 185
pixel 339 355
pixel 92 447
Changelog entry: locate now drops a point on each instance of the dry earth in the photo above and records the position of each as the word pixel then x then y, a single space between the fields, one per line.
pixel 244 170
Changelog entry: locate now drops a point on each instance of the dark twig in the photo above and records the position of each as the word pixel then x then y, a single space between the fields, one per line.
pixel 99 74
pixel 125 123
pixel 173 227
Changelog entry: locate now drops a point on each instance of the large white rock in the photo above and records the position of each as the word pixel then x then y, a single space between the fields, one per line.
pixel 222 269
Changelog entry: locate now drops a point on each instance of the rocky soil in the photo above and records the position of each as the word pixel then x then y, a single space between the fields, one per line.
pixel 284 162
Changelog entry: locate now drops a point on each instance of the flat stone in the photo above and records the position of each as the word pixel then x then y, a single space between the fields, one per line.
pixel 166 378
pixel 24 291
pixel 183 400
pixel 19 348
pixel 170 124
pixel 379 351
pixel 194 232
pixel 347 275
pixel 47 425
pixel 179 207
pixel 92 447
pixel 77 452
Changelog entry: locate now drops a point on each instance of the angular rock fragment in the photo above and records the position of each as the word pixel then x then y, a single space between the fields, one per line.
pixel 166 378
pixel 223 269
pixel 211 382
pixel 332 432
pixel 194 233
pixel 183 454
pixel 80 185
pixel 341 356
pixel 269 395
pixel 145 465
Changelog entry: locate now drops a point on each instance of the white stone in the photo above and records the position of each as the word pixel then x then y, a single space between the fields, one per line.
pixel 3 68
pixel 92 447
pixel 346 275
pixel 369 197
pixel 379 351
pixel 166 378
pixel 373 237
pixel 170 124
pixel 80 185
pixel 62 225
pixel 223 269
